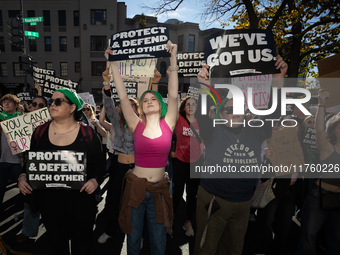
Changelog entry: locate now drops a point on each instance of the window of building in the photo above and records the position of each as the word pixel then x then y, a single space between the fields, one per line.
pixel 97 68
pixel 180 43
pixel 48 65
pixel 191 43
pixel 62 44
pixel 76 42
pixel 17 70
pixel 98 17
pixel 63 69
pixel 62 18
pixel 1 22
pixel 33 44
pixel 76 18
pixel 77 67
pixel 3 72
pixel 48 43
pixel 46 18
pixel 13 14
pixel 98 43
pixel 2 43
pixel 30 14
pixel 15 48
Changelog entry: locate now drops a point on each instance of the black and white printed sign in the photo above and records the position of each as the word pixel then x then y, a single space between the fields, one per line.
pixel 240 52
pixel 56 169
pixel 148 42
pixel 190 63
pixel 49 82
pixel 25 96
pixel 310 138
pixel 131 85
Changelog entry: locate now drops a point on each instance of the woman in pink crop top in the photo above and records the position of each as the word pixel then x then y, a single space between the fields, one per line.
pixel 152 133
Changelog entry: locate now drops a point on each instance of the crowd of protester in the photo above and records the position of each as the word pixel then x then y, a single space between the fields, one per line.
pixel 133 143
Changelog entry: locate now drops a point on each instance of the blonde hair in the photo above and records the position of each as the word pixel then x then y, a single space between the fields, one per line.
pixel 92 116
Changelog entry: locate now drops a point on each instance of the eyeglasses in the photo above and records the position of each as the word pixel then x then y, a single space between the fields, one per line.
pixel 57 101
pixel 7 102
pixel 191 104
pixel 41 105
pixel 86 109
pixel 228 109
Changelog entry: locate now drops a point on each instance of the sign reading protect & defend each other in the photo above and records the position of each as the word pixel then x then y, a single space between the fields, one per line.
pixel 56 169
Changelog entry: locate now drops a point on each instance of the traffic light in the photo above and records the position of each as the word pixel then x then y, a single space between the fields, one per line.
pixel 16 32
pixel 26 63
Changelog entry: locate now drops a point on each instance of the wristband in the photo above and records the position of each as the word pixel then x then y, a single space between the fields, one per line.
pixel 106 83
pixel 23 174
pixel 176 68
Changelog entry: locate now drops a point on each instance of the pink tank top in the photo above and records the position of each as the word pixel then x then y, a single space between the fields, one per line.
pixel 152 153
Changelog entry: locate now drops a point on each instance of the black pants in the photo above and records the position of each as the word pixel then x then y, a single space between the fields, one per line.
pixel 112 175
pixel 181 176
pixel 68 215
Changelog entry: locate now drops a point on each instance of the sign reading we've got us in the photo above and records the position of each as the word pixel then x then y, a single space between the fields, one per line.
pixel 140 43
pixel 56 169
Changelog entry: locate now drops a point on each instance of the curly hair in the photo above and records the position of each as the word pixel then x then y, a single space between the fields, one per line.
pixel 10 97
pixel 181 110
pixel 330 132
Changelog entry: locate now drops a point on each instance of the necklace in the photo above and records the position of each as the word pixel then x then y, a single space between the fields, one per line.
pixel 237 137
pixel 65 132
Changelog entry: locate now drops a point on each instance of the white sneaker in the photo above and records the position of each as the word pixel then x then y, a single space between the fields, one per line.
pixel 103 238
pixel 188 229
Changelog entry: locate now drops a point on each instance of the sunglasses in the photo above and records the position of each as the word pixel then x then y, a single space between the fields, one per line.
pixel 86 109
pixel 57 101
pixel 228 109
pixel 41 105
pixel 191 104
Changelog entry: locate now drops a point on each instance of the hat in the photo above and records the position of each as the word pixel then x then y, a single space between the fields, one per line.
pixel 73 97
pixel 164 107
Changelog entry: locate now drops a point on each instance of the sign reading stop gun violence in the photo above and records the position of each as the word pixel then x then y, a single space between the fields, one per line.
pixel 56 169
pixel 140 43
pixel 286 151
pixel 190 63
pixel 20 129
pixel 240 52
pixel 50 83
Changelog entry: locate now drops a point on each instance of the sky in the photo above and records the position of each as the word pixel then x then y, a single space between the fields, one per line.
pixel 188 11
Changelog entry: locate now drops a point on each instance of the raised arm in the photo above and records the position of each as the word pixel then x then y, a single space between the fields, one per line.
pixel 278 79
pixel 171 115
pixel 323 144
pixel 103 122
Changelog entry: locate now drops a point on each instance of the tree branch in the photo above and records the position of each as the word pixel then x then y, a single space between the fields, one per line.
pixel 319 23
pixel 277 15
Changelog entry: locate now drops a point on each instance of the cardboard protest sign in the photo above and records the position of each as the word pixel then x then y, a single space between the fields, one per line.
pixel 56 169
pixel 240 52
pixel 261 87
pixel 332 86
pixel 190 63
pixel 286 150
pixel 25 96
pixel 49 83
pixel 148 42
pixel 136 67
pixel 20 129
pixel 309 139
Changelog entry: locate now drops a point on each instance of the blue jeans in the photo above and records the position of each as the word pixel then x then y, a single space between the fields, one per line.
pixel 313 218
pixel 157 232
pixel 30 224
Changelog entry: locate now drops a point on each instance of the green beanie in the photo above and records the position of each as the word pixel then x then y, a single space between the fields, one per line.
pixel 164 107
pixel 73 97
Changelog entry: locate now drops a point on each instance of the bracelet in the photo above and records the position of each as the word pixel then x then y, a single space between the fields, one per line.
pixel 321 105
pixel 106 83
pixel 23 174
pixel 176 68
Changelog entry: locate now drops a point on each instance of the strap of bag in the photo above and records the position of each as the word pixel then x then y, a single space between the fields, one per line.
pixel 87 133
pixel 40 131
pixel 194 131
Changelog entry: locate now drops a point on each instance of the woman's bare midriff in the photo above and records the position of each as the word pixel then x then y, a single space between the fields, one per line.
pixel 126 158
pixel 151 174
pixel 329 187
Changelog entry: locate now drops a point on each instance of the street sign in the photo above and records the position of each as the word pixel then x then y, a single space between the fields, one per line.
pixel 33 19
pixel 33 23
pixel 30 33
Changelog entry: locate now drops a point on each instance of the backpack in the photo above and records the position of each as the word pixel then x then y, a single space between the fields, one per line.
pixel 85 130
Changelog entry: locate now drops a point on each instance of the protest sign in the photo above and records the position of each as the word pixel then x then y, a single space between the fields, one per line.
pixel 286 151
pixel 261 85
pixel 193 92
pixel 190 63
pixel 309 138
pixel 25 96
pixel 136 67
pixel 332 86
pixel 149 42
pixel 334 109
pixel 19 130
pixel 56 169
pixel 93 102
pixel 86 97
pixel 131 84
pixel 240 52
pixel 49 83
